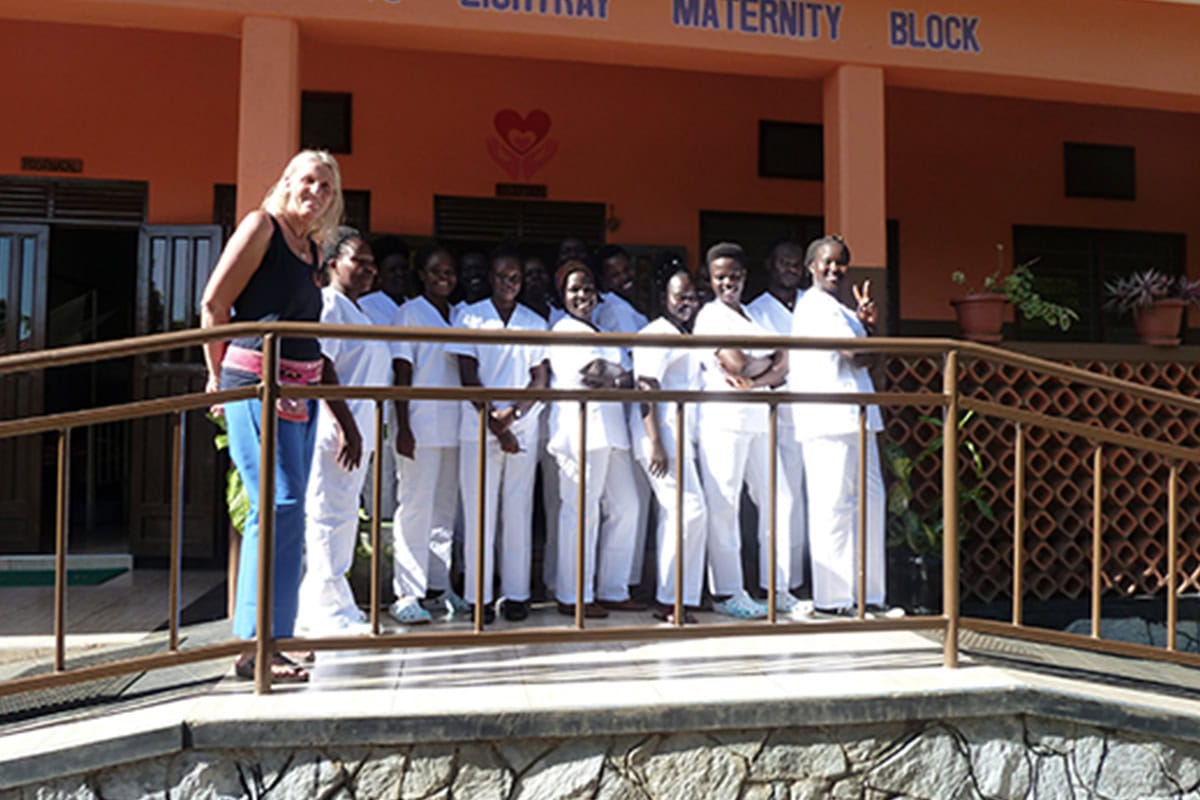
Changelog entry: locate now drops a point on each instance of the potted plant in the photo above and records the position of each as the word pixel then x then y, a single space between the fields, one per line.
pixel 915 533
pixel 1156 300
pixel 981 313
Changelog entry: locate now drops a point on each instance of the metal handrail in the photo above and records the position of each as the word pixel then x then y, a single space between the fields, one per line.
pixel 950 399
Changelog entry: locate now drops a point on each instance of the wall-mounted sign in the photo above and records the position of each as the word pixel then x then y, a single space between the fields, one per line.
pixel 534 190
pixel 576 9
pixel 793 19
pixel 521 146
pixel 48 164
pixel 953 32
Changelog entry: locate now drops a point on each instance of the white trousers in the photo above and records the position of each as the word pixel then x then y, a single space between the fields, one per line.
pixel 387 503
pixel 644 493
pixel 508 504
pixel 727 459
pixel 791 471
pixel 550 509
pixel 330 534
pixel 695 524
pixel 423 530
pixel 831 470
pixel 609 491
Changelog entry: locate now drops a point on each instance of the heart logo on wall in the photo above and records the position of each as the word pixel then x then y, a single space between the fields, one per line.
pixel 521 147
pixel 522 133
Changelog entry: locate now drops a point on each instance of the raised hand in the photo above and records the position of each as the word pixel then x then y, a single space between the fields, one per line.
pixel 868 312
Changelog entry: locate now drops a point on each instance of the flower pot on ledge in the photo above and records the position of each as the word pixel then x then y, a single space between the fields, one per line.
pixel 981 316
pixel 1159 324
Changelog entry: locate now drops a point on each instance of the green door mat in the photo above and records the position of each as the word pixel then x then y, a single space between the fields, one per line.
pixel 45 577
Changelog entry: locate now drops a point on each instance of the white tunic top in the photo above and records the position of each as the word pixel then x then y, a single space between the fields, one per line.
pixel 821 315
pixel 675 369
pixel 716 318
pixel 771 314
pixel 606 421
pixel 504 366
pixel 379 307
pixel 434 423
pixel 616 314
pixel 358 362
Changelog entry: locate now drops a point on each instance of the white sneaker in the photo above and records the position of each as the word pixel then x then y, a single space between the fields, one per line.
pixel 876 611
pixel 786 603
pixel 742 606
pixel 408 611
pixel 336 626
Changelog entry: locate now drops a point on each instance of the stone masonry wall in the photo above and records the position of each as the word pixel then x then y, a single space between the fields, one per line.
pixel 1002 757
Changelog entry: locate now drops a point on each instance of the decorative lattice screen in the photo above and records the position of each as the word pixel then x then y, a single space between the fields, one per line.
pixel 1058 503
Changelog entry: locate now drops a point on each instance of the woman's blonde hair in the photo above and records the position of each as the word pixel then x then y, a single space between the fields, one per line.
pixel 324 226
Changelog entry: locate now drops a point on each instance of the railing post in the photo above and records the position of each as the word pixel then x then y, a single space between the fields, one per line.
pixel 1018 589
pixel 860 546
pixel 480 522
pixel 772 510
pixel 1172 556
pixel 1097 535
pixel 178 451
pixel 581 518
pixel 376 510
pixel 62 510
pixel 950 510
pixel 264 632
pixel 680 435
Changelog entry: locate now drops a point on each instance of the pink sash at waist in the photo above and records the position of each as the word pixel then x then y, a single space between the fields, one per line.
pixel 293 373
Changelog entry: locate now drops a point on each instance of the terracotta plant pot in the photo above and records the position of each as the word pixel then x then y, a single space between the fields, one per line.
pixel 981 316
pixel 1159 324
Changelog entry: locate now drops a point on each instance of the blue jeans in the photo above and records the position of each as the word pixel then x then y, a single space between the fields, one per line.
pixel 293 457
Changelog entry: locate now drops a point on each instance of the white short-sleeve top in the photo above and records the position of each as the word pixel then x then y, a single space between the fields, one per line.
pixel 821 315
pixel 379 307
pixel 675 369
pixel 358 362
pixel 503 366
pixel 716 318
pixel 434 423
pixel 606 421
pixel 773 315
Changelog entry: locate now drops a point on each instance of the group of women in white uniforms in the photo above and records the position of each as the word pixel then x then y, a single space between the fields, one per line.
pixel 725 444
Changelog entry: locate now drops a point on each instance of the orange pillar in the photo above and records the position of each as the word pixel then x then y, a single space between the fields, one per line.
pixel 855 185
pixel 268 106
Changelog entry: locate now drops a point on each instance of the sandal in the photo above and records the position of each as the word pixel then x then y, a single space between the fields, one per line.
pixel 283 670
pixel 667 614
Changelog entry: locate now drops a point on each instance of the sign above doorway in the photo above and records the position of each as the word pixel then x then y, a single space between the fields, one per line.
pixel 49 164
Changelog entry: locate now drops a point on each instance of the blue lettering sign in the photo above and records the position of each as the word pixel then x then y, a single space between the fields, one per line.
pixel 933 32
pixel 578 9
pixel 749 17
pixel 686 13
pixel 793 19
pixel 768 12
pixel 834 13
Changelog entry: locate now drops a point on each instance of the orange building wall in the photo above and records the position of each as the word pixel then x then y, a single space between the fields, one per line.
pixel 963 169
pixel 134 105
pixel 656 144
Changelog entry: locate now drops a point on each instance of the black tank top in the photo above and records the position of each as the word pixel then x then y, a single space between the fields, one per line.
pixel 283 288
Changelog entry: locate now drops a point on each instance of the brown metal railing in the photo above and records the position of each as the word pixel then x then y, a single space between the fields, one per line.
pixel 264 645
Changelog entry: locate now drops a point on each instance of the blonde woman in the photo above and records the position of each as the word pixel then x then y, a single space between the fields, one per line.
pixel 268 272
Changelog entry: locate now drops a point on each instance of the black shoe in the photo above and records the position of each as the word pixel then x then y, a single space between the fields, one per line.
pixel 489 614
pixel 515 610
pixel 848 612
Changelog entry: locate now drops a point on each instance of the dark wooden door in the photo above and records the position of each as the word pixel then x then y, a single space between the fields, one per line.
pixel 174 263
pixel 23 280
